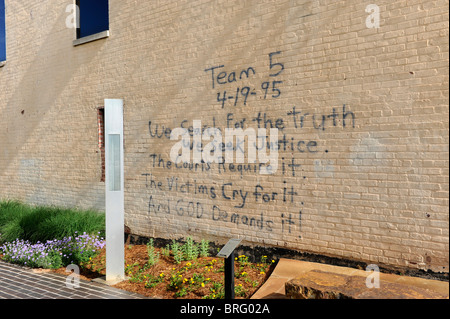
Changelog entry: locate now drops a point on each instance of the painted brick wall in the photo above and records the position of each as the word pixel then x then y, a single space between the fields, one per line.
pixel 362 115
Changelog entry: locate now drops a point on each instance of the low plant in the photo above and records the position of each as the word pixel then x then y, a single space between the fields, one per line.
pixel 216 291
pixel 177 252
pixel 53 253
pixel 153 281
pixel 263 265
pixel 42 223
pixel 139 275
pixel 242 260
pixel 129 268
pixel 165 251
pixel 153 255
pixel 241 274
pixel 239 291
pixel 175 282
pixel 190 249
pixel 175 246
pixel 204 248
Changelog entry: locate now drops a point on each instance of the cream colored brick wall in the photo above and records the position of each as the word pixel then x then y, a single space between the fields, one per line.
pixel 374 190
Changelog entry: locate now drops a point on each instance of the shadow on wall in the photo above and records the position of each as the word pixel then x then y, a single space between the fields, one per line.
pixel 34 100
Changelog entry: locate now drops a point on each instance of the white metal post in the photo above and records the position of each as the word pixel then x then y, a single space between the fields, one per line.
pixel 114 190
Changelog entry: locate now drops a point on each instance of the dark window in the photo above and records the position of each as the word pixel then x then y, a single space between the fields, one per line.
pixel 101 139
pixel 2 31
pixel 94 17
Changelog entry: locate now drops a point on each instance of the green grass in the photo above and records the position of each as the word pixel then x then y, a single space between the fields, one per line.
pixel 43 223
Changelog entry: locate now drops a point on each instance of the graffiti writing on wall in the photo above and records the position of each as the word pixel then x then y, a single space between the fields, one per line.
pixel 269 89
pixel 224 192
pixel 235 196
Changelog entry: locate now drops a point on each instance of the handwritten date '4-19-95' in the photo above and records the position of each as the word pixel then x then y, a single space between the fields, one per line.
pixel 269 88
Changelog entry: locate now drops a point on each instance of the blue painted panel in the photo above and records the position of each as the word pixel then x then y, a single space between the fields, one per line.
pixel 94 17
pixel 2 31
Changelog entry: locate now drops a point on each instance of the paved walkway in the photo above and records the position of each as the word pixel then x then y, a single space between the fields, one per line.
pixel 22 283
pixel 18 282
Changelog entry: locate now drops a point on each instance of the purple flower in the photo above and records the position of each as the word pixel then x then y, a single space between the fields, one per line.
pixel 21 251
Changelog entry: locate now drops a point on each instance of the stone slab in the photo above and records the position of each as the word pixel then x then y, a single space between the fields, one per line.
pixel 287 269
pixel 317 284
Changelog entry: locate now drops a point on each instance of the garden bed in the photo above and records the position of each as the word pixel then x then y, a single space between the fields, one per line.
pixel 53 238
pixel 201 277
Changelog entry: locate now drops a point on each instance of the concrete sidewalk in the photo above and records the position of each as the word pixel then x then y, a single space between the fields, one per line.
pixel 287 269
pixel 18 282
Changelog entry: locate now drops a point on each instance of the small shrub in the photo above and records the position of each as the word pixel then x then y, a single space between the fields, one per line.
pixel 190 249
pixel 166 251
pixel 204 248
pixel 12 231
pixel 175 246
pixel 153 255
pixel 20 221
pixel 178 257
pixel 177 252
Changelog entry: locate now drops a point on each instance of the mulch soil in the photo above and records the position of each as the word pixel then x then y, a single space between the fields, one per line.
pixel 200 278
